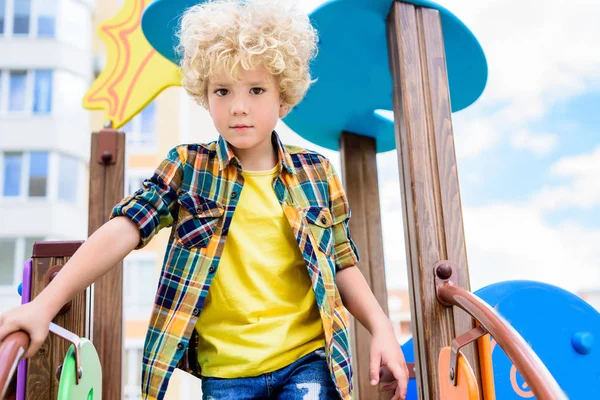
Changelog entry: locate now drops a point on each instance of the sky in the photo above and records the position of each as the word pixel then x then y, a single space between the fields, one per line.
pixel 528 151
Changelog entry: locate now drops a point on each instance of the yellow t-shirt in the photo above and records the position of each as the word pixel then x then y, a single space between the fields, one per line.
pixel 260 314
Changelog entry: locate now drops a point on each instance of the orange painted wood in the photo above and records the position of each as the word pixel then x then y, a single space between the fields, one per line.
pixel 466 383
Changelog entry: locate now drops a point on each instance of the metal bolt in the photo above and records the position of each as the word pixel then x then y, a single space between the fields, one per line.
pixel 444 271
pixel 58 372
pixel 452 374
pixel 106 157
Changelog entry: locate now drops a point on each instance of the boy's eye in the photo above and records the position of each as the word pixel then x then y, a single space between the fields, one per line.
pixel 221 92
pixel 257 90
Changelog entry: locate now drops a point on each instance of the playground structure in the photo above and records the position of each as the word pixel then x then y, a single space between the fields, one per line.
pixel 430 59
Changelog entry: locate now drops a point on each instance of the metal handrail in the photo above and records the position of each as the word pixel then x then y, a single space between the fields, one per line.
pixel 532 369
pixel 12 350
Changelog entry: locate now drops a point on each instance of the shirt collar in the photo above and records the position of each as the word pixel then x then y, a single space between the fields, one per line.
pixel 225 154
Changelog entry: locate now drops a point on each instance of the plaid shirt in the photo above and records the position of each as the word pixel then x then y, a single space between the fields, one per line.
pixel 195 190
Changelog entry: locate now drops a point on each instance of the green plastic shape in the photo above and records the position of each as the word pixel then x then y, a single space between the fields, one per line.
pixel 90 384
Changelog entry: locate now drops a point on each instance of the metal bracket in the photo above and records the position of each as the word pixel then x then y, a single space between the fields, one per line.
pixel 107 147
pixel 460 342
pixel 74 339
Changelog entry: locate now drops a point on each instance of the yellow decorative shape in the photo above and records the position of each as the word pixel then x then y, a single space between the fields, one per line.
pixel 134 74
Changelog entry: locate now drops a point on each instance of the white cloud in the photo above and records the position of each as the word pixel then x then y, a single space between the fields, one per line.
pixel 583 188
pixel 539 144
pixel 508 240
pixel 512 241
pixel 537 57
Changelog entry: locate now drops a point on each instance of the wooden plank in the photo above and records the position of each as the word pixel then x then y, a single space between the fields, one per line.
pixel 42 383
pixel 359 173
pixel 106 190
pixel 429 182
pixel 445 160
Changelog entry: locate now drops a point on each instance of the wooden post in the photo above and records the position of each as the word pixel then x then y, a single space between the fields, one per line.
pixel 359 173
pixel 107 163
pixel 429 183
pixel 47 260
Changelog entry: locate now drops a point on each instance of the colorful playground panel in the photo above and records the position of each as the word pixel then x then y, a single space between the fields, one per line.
pixel 25 292
pixel 560 327
pixel 89 386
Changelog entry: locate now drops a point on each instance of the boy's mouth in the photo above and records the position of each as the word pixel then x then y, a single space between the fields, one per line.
pixel 241 127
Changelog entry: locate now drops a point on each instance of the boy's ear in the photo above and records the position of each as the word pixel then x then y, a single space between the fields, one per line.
pixel 283 110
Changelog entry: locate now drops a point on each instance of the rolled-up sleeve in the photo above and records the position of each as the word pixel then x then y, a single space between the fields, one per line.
pixel 345 251
pixel 154 206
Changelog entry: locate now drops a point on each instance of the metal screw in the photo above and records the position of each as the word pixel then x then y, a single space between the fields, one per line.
pixel 452 374
pixel 106 157
pixel 444 271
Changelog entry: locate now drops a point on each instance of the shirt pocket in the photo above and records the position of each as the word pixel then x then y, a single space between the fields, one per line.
pixel 198 218
pixel 320 224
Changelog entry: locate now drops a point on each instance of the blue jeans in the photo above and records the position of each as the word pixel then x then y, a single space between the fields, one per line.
pixel 305 379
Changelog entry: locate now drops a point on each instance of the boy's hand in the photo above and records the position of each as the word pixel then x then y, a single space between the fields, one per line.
pixel 386 352
pixel 31 318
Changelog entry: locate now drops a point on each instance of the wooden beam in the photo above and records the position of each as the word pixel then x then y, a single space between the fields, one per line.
pixel 429 183
pixel 359 174
pixel 47 260
pixel 107 163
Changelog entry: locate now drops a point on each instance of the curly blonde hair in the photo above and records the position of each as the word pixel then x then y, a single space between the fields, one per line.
pixel 224 35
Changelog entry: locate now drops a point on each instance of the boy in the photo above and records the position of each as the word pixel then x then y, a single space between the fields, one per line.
pixel 272 220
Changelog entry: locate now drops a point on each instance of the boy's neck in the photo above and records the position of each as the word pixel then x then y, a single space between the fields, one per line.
pixel 259 158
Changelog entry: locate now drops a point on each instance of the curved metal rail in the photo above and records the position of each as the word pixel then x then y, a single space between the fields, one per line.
pixel 542 383
pixel 12 350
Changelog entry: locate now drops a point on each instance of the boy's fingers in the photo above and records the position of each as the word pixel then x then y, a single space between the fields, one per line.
pixel 401 376
pixel 389 386
pixel 374 368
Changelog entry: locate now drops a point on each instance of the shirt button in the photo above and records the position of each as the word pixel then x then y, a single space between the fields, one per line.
pixel 324 220
pixel 195 312
pixel 211 270
pixel 233 195
pixel 179 346
pixel 198 211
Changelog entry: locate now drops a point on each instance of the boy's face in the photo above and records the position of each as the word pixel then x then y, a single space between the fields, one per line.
pixel 245 112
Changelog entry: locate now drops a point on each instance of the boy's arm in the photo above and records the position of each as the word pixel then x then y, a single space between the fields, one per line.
pixel 100 252
pixel 360 301
pixel 385 350
pixel 104 249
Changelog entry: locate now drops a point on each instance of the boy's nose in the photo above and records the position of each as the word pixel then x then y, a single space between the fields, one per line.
pixel 239 107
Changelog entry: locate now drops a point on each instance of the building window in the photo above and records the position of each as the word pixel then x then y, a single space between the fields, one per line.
pixel 140 282
pixel 141 130
pixel 13 253
pixel 32 175
pixel 32 18
pixel 22 14
pixel 17 90
pixel 24 174
pixel 42 92
pixel 132 370
pixel 46 18
pixel 38 174
pixel 68 178
pixel 134 179
pixel 7 261
pixel 28 91
pixel 2 16
pixel 13 166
